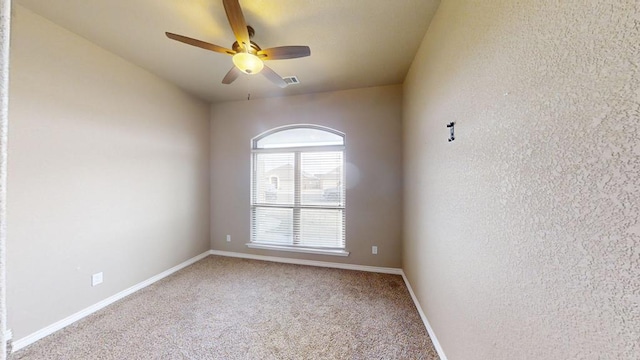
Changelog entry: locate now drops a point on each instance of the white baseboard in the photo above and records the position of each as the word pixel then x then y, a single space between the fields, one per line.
pixel 384 270
pixel 432 335
pixel 30 339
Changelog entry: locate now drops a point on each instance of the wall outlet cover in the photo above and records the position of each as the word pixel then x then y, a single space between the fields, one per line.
pixel 96 279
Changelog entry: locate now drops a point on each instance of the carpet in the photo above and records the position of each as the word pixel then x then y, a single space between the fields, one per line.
pixel 228 308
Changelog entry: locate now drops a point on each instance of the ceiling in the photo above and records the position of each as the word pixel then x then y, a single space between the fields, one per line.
pixel 354 43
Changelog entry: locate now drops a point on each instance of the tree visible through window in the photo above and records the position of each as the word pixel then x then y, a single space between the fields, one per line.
pixel 298 197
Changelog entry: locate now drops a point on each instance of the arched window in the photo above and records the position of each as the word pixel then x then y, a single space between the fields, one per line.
pixel 305 210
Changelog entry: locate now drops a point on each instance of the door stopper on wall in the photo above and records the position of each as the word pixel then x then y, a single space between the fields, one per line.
pixel 451 134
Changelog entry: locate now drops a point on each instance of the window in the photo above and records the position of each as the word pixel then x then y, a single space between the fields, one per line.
pixel 275 181
pixel 297 192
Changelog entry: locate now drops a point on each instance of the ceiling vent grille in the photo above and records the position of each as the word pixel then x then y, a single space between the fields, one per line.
pixel 291 80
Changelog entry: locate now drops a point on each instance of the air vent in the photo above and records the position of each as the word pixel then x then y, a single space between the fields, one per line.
pixel 291 80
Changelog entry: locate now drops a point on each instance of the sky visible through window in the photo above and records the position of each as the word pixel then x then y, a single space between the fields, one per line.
pixel 299 137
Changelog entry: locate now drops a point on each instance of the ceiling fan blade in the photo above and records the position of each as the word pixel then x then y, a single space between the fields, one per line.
pixel 231 76
pixel 200 44
pixel 285 52
pixel 273 77
pixel 237 22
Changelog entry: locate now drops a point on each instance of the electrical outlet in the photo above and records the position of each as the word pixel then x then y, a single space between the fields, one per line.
pixel 228 238
pixel 96 279
pixel 374 250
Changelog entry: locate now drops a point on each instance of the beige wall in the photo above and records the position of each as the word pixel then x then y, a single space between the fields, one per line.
pixel 108 171
pixel 522 237
pixel 371 120
pixel 5 25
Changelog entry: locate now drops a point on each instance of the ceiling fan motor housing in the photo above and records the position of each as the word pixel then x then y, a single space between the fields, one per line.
pixel 252 50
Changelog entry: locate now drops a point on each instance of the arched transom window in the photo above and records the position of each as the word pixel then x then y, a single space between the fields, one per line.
pixel 297 191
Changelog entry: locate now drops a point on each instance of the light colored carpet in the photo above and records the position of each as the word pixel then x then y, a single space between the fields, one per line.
pixel 226 308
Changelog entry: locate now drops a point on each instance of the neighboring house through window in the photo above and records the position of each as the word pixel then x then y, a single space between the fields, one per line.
pixel 298 197
pixel 275 181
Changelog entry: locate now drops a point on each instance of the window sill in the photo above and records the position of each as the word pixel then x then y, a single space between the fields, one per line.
pixel 298 250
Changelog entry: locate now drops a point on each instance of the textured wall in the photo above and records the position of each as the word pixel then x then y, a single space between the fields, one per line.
pixel 522 237
pixel 5 25
pixel 108 171
pixel 371 120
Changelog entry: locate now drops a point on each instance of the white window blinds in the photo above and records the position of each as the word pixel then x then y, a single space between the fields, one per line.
pixel 298 197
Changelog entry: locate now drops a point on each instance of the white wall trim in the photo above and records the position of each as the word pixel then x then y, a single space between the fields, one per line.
pixel 432 334
pixel 30 339
pixel 298 250
pixel 384 270
pixel 8 335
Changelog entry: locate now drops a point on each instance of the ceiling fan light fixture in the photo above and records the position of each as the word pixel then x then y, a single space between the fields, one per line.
pixel 248 63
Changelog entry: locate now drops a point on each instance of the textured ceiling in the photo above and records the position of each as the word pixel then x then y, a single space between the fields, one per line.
pixel 354 43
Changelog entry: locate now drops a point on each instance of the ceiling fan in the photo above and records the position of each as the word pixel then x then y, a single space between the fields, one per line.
pixel 248 57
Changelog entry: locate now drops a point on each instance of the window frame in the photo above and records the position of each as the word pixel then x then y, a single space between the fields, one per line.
pixel 297 205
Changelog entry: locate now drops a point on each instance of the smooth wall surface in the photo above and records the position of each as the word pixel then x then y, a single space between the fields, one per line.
pixel 371 120
pixel 5 27
pixel 108 172
pixel 523 235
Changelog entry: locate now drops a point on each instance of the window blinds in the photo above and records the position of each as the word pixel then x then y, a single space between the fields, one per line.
pixel 298 198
